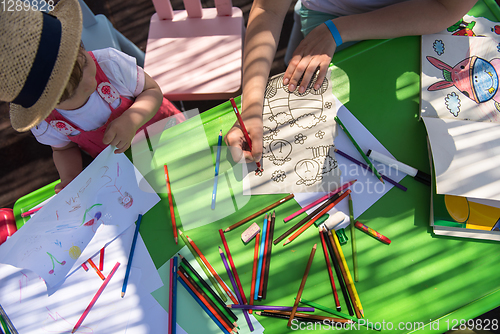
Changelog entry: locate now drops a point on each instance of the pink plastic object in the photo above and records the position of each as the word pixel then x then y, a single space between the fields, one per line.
pixel 7 224
pixel 250 232
pixel 224 7
pixel 196 58
pixel 164 9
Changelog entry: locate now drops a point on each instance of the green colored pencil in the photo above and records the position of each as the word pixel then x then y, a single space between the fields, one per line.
pixel 202 265
pixel 353 240
pixel 368 161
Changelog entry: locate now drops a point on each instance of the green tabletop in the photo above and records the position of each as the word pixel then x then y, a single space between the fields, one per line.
pixel 419 279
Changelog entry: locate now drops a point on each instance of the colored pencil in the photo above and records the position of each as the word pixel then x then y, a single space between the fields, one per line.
pixel 206 300
pixel 368 162
pixel 319 200
pixel 323 212
pixel 203 267
pixel 3 325
pixel 269 307
pixel 264 258
pixel 170 299
pixel 329 269
pixel 302 284
pixel 204 284
pixel 307 218
pixel 212 270
pixel 207 311
pixel 270 233
pixel 174 297
pixel 254 270
pixel 101 259
pixel 261 258
pixel 258 213
pixel 353 240
pixel 243 129
pixel 372 232
pixel 131 254
pixel 7 323
pixel 340 278
pixel 96 296
pixel 171 203
pixel 235 288
pixel 217 163
pixel 349 277
pixel 339 314
pixel 282 316
pixel 92 264
pixel 84 266
pixel 311 316
pixel 359 163
pixel 30 212
pixel 233 267
pixel 345 275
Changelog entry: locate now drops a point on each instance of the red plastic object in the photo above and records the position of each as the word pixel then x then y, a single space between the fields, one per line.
pixel 7 224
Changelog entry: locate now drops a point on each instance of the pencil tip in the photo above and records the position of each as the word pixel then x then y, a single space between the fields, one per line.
pixel 180 232
pixel 123 294
pixel 381 180
pixel 315 246
pixel 226 230
pixel 287 241
pixel 175 238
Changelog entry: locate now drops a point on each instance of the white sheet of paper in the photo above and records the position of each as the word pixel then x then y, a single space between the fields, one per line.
pixel 188 308
pixel 466 157
pixel 367 189
pixel 298 141
pixel 98 205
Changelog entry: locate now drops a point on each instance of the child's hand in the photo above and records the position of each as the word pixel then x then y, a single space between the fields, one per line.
pixel 120 133
pixel 60 186
pixel 237 144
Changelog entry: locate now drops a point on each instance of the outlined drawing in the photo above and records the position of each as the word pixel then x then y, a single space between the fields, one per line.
pixel 55 323
pixel 52 258
pixel 279 151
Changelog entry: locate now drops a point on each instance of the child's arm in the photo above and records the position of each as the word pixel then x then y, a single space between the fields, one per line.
pixel 68 161
pixel 121 131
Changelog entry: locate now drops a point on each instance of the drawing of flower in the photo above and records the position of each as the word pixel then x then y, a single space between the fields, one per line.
pixel 300 138
pixel 320 134
pixel 278 176
pixel 328 105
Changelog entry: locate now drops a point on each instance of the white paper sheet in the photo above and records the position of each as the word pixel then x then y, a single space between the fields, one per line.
pixel 98 205
pixel 298 141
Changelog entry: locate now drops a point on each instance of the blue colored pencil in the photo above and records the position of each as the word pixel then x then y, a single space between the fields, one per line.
pixel 217 322
pixel 235 288
pixel 131 255
pixel 174 297
pixel 217 163
pixel 261 258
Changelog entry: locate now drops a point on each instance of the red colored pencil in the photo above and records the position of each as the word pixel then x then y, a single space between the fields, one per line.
pixel 212 270
pixel 254 270
pixel 101 259
pixel 329 268
pixel 84 266
pixel 233 267
pixel 243 129
pixel 96 296
pixel 171 203
pixel 92 264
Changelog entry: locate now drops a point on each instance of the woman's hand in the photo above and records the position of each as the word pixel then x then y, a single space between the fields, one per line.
pixel 315 51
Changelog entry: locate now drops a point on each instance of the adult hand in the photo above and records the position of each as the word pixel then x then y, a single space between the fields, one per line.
pixel 237 143
pixel 315 51
pixel 120 133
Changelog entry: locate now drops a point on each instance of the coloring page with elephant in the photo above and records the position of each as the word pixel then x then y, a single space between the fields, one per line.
pixel 460 107
pixel 298 141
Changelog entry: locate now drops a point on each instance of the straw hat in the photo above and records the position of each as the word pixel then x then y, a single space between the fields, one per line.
pixel 37 53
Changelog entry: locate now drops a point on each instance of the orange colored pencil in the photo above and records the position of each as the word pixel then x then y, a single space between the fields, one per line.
pixel 329 268
pixel 302 284
pixel 325 210
pixel 233 267
pixel 207 304
pixel 171 203
pixel 212 270
pixel 92 264
pixel 254 270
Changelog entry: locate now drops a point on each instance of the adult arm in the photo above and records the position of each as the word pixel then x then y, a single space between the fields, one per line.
pixel 414 17
pixel 261 41
pixel 121 131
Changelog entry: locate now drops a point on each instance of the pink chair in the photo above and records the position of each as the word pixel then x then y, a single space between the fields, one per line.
pixel 196 54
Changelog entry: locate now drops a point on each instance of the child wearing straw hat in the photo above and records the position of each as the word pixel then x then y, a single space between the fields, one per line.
pixel 69 98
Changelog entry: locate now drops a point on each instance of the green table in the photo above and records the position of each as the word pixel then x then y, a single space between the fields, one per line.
pixel 419 279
